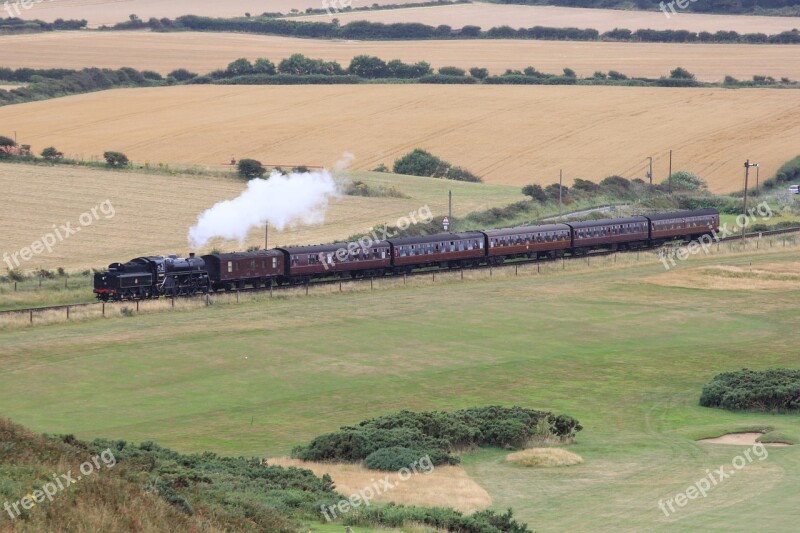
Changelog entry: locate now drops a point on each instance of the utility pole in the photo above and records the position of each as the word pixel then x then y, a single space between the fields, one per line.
pixel 747 165
pixel 650 174
pixel 560 190
pixel 266 236
pixel 450 205
pixel 670 172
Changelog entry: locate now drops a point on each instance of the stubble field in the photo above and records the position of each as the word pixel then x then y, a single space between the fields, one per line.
pixel 204 52
pixel 488 15
pixel 509 135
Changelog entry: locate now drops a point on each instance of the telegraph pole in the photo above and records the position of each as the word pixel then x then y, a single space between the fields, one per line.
pixel 450 205
pixel 747 165
pixel 560 190
pixel 670 172
pixel 650 174
pixel 266 236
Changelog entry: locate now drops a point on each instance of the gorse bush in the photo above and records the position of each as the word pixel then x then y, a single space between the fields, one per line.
pixel 420 162
pixel 436 434
pixel 397 516
pixel 775 389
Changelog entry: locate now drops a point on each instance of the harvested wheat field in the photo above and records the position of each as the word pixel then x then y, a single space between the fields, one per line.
pixel 204 52
pixel 509 135
pixel 152 213
pixel 445 486
pixel 99 12
pixel 492 15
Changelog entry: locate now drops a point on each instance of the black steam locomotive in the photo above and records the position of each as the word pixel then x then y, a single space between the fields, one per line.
pixel 151 277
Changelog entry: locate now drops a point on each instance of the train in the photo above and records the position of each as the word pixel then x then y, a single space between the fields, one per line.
pixel 158 276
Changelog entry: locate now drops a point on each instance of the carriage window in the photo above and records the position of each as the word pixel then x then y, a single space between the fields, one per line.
pixel 274 262
pixel 252 264
pixel 230 266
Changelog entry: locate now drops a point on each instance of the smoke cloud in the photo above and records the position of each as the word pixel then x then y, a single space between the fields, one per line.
pixel 280 201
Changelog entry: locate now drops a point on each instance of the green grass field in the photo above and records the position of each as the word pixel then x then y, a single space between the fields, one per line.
pixel 626 357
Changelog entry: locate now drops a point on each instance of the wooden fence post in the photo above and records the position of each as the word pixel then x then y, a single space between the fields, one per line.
pixel 104 309
pixel 31 317
pixel 67 312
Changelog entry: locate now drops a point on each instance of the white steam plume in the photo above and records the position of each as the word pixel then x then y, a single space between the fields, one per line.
pixel 280 201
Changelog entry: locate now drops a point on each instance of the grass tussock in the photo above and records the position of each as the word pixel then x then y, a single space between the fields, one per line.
pixel 544 458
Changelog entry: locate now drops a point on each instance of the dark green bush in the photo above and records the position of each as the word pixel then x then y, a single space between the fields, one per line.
pixel 393 458
pixel 437 433
pixel 773 390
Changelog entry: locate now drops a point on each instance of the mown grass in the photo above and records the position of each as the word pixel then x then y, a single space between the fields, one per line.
pixel 627 357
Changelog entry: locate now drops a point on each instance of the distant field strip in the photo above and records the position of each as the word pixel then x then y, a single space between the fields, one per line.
pixel 204 52
pixel 509 135
pixel 99 12
pixel 492 15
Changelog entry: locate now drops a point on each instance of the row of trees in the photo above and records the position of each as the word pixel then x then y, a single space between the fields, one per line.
pixel 785 7
pixel 41 87
pixel 614 186
pixel 14 25
pixel 365 30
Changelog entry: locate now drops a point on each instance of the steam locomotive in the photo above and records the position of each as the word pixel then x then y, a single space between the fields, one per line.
pixel 153 277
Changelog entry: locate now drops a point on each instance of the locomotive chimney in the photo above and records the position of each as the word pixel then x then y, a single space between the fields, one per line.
pixel 191 255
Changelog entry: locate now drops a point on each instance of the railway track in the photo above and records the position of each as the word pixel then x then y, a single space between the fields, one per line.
pixel 424 272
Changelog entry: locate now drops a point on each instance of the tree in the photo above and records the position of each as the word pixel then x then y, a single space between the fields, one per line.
pixel 264 66
pixel 479 73
pixel 683 180
pixel 420 162
pixel 569 73
pixel 681 74
pixel 250 168
pixel 452 71
pixel 585 186
pixel 536 192
pixel 614 75
pixel 368 67
pixel 182 74
pixel 51 154
pixel 7 146
pixel 239 67
pixel 116 159
pixel 552 192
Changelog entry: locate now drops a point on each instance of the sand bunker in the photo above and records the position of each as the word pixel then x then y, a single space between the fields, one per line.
pixel 742 439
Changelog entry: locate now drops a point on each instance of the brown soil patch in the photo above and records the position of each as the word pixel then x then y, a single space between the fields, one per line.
pixel 445 486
